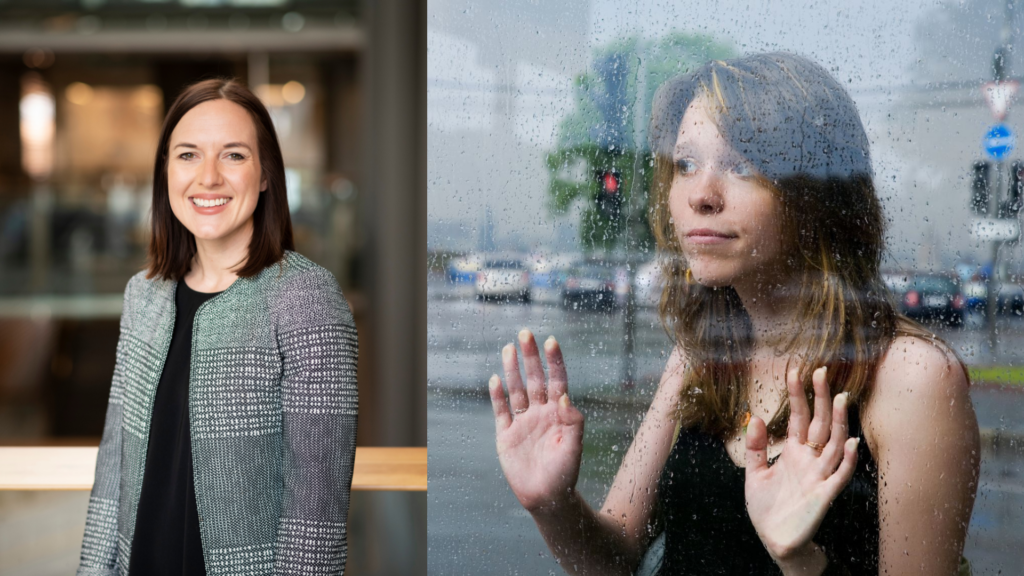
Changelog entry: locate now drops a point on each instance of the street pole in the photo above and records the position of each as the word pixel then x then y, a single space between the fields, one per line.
pixel 999 66
pixel 990 290
pixel 629 346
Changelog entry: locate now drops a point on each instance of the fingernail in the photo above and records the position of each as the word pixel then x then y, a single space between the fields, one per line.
pixel 563 400
pixel 549 343
pixel 506 352
pixel 494 382
pixel 524 335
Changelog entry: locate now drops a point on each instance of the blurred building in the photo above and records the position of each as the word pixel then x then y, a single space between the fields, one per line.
pixel 84 85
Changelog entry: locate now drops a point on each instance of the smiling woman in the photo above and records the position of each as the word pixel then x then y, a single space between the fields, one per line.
pixel 218 145
pixel 229 439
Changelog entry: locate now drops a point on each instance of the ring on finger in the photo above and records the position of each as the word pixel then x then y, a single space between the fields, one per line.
pixel 519 411
pixel 817 447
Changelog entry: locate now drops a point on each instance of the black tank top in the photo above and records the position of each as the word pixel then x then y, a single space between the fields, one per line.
pixel 708 531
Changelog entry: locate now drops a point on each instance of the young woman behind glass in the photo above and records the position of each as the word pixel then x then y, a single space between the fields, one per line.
pixel 802 425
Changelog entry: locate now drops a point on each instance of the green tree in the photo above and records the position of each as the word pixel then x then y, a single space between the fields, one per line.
pixel 602 133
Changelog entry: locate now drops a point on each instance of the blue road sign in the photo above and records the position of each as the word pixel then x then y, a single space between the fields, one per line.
pixel 998 141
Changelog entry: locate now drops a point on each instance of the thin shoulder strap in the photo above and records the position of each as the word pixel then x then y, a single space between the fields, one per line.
pixel 853 419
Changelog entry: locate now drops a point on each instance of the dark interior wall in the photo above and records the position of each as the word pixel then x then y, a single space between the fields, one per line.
pixel 26 352
pixel 393 269
pixel 78 382
pixel 172 75
pixel 340 78
pixel 12 179
pixel 97 69
pixel 418 92
pixel 394 212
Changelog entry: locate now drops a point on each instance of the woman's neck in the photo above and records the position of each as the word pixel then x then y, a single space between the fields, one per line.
pixel 771 305
pixel 212 265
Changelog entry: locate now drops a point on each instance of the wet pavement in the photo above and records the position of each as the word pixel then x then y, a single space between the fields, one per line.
pixel 477 527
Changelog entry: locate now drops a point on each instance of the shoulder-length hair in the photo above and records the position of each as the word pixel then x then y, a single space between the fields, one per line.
pixel 801 131
pixel 172 246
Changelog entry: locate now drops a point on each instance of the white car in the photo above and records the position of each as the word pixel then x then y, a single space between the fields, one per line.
pixel 649 283
pixel 547 276
pixel 503 279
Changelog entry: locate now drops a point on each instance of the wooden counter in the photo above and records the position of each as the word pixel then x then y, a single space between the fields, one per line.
pixel 72 468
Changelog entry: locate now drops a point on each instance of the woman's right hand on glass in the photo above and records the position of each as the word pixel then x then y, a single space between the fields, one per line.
pixel 539 433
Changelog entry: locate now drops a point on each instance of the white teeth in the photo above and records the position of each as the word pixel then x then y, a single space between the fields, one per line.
pixel 208 203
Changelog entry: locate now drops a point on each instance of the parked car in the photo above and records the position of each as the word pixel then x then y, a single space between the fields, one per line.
pixel 975 293
pixel 649 284
pixel 504 280
pixel 464 270
pixel 590 285
pixel 547 276
pixel 1009 297
pixel 898 283
pixel 932 298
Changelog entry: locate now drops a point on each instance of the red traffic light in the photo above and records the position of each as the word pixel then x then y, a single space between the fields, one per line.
pixel 609 182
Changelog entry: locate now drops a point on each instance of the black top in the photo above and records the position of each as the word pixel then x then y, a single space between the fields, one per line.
pixel 708 531
pixel 166 540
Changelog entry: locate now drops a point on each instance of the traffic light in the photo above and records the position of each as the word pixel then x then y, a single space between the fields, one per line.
pixel 1012 206
pixel 980 187
pixel 609 193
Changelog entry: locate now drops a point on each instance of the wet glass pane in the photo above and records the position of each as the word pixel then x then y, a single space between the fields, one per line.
pixel 759 187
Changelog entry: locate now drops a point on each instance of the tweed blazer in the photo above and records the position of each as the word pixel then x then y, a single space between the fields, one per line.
pixel 272 403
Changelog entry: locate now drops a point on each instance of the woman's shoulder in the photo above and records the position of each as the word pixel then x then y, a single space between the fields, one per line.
pixel 141 284
pixel 675 369
pixel 290 265
pixel 918 378
pixel 298 288
pixel 677 359
pixel 915 355
pixel 143 295
pixel 295 272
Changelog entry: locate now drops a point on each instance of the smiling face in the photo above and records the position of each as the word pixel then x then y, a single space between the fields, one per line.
pixel 213 173
pixel 727 223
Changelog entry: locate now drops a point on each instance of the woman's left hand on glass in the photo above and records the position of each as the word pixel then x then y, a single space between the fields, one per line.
pixel 788 500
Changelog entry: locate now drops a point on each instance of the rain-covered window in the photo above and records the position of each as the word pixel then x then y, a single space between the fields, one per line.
pixel 759 187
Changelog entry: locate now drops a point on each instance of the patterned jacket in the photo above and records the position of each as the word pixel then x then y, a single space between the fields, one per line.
pixel 272 412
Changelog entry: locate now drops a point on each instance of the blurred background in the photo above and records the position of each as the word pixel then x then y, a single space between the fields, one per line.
pixel 537 180
pixel 84 85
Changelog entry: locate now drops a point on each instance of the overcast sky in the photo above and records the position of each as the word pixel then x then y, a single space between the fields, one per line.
pixel 500 79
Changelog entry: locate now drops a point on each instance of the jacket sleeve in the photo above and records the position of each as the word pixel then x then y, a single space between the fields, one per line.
pixel 99 543
pixel 319 400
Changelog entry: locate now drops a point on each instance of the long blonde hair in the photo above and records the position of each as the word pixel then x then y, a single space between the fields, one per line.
pixel 833 231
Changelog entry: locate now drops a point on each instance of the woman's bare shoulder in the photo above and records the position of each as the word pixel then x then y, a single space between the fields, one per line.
pixel 674 367
pixel 676 359
pixel 917 379
pixel 914 353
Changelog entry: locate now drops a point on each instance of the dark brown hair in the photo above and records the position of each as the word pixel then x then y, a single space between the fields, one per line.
pixel 172 246
pixel 801 131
